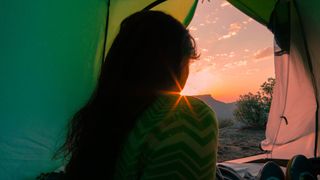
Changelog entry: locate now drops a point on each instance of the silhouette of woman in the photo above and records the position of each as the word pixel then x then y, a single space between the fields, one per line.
pixel 136 124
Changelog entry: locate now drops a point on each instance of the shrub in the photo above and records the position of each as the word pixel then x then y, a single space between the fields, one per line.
pixel 253 109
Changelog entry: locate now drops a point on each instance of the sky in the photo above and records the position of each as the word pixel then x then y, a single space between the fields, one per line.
pixel 236 52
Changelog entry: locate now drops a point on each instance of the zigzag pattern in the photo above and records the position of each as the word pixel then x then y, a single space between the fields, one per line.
pixel 171 141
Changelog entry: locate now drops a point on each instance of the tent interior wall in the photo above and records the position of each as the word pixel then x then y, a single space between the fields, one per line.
pixel 50 63
pixel 50 58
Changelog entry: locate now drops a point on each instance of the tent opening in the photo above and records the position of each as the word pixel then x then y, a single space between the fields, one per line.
pixel 236 59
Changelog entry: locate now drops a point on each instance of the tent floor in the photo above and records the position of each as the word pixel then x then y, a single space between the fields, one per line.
pixel 261 158
pixel 253 164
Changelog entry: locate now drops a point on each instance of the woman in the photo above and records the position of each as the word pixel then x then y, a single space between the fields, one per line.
pixel 136 125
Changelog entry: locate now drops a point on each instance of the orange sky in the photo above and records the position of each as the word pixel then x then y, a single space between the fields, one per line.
pixel 236 52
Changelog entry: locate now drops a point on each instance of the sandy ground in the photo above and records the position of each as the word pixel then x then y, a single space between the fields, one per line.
pixel 235 143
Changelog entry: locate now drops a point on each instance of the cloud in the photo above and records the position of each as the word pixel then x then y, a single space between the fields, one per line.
pixel 208 58
pixel 235 64
pixel 247 21
pixel 193 28
pixel 240 63
pixel 202 65
pixel 233 30
pixel 225 37
pixel 262 53
pixel 234 27
pixel 222 55
pixel 204 50
pixel 225 55
pixel 225 4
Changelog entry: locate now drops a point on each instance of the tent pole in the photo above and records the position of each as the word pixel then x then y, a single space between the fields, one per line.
pixel 106 32
pixel 152 5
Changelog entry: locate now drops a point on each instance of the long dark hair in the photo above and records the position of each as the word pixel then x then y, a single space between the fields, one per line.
pixel 147 57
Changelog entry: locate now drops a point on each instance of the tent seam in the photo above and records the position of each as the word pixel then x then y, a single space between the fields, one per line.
pixel 190 15
pixel 106 32
pixel 152 5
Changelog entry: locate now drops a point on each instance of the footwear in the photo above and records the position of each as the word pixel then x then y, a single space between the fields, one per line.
pixel 270 171
pixel 300 168
pixel 227 173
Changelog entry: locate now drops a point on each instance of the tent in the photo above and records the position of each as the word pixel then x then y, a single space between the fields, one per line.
pixel 50 56
pixel 293 124
pixel 51 51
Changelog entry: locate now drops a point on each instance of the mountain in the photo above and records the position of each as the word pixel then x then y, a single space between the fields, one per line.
pixel 223 110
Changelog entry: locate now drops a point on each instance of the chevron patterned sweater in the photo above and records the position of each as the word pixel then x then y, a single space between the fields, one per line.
pixel 175 138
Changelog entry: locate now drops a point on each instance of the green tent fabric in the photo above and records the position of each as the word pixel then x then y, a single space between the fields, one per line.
pixel 182 10
pixel 50 56
pixel 258 10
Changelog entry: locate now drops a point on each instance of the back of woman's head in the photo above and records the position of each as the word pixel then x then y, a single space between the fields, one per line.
pixel 147 57
pixel 150 49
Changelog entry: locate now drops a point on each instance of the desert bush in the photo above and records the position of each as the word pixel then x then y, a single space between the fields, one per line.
pixel 225 122
pixel 253 109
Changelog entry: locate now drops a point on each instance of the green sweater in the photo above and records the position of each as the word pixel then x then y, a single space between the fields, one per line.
pixel 175 138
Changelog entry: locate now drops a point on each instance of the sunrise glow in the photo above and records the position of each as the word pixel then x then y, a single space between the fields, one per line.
pixel 236 52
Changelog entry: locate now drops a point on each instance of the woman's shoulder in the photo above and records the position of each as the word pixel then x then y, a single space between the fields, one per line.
pixel 187 108
pixel 174 110
pixel 199 110
pixel 196 102
pixel 183 101
pixel 194 105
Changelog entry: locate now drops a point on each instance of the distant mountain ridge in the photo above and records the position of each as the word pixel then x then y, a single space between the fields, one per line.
pixel 223 110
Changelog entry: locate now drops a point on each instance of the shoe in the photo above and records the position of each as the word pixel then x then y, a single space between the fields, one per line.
pixel 300 168
pixel 270 171
pixel 227 173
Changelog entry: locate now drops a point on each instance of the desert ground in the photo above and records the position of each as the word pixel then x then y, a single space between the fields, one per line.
pixel 238 142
